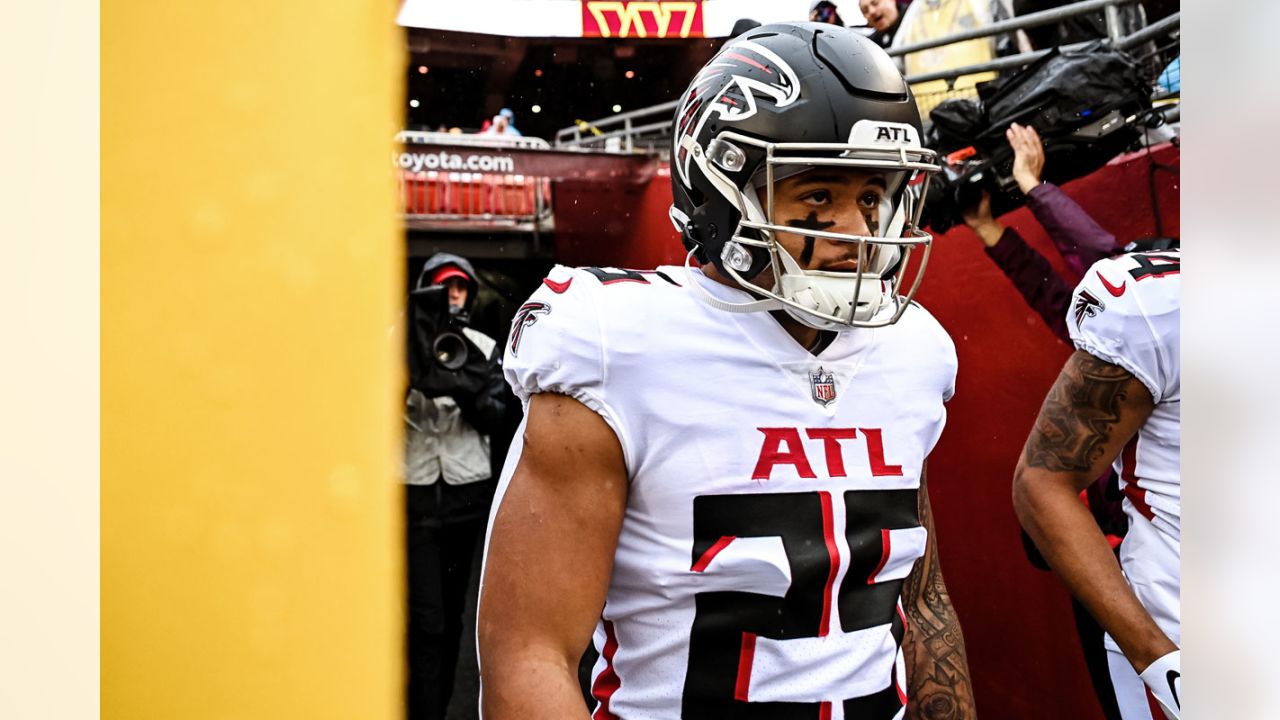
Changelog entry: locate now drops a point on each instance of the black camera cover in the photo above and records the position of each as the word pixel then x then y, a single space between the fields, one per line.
pixel 432 331
pixel 1084 103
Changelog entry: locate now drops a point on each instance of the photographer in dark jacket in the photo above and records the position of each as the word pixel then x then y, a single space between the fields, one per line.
pixel 455 400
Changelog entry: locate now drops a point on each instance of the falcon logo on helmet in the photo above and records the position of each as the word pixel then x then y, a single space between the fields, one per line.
pixel 727 87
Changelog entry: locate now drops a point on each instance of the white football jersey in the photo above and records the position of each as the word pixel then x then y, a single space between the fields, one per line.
pixel 772 511
pixel 1126 312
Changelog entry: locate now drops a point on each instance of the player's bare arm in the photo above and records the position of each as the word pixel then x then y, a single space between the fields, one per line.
pixel 550 556
pixel 937 667
pixel 1091 411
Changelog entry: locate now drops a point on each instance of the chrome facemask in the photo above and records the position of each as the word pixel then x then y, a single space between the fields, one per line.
pixel 822 299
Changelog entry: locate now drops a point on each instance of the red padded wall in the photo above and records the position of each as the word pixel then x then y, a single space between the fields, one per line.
pixel 616 224
pixel 1017 620
pixel 1023 651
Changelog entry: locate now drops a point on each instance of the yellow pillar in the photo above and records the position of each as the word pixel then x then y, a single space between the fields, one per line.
pixel 251 271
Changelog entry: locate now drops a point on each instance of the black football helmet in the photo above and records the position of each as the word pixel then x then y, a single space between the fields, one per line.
pixel 780 100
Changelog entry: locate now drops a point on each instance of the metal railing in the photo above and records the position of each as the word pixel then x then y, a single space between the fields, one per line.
pixel 1036 19
pixel 463 201
pixel 645 129
pixel 474 140
pixel 1146 34
pixel 1163 26
pixel 650 128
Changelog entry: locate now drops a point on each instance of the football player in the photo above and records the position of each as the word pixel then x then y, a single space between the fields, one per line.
pixel 1117 400
pixel 721 474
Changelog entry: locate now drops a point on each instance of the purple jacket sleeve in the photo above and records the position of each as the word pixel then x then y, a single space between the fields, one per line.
pixel 1043 289
pixel 1081 241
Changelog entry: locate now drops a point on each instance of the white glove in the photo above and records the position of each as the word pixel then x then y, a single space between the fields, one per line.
pixel 1164 679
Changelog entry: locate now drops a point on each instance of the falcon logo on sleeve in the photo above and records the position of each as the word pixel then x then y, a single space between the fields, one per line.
pixel 527 315
pixel 1087 306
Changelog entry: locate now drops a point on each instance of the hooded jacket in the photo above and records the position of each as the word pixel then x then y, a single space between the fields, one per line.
pixel 439 260
pixel 447 436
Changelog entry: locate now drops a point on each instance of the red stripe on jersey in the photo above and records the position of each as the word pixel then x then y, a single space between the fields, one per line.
pixel 1128 471
pixel 1157 712
pixel 824 711
pixel 1129 460
pixel 557 287
pixel 1138 497
pixel 884 557
pixel 902 692
pixel 712 552
pixel 607 682
pixel 742 687
pixel 829 533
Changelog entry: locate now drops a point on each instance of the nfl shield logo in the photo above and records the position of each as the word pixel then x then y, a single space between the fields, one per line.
pixel 824 387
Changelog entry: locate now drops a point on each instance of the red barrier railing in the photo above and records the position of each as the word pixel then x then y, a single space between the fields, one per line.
pixel 503 199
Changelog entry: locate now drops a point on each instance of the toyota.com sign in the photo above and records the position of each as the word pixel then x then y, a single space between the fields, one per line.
pixel 419 161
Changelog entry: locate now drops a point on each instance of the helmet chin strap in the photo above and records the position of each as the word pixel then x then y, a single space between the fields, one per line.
pixel 717 303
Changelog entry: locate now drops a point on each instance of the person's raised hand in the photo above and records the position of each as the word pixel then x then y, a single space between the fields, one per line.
pixel 1028 155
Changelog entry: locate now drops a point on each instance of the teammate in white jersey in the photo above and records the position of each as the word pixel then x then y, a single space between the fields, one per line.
pixel 1118 399
pixel 721 475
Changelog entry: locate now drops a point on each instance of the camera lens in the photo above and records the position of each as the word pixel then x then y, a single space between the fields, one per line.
pixel 449 350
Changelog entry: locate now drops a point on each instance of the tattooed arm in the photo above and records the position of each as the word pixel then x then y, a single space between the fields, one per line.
pixel 938 682
pixel 1090 413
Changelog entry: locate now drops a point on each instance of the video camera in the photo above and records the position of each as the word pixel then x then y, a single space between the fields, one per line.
pixel 438 351
pixel 1087 104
